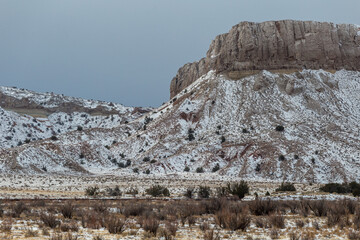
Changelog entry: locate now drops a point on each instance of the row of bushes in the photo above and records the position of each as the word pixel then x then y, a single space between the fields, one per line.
pixel 352 187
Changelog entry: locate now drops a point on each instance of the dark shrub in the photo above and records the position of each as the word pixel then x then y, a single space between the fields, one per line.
pixel 355 188
pixel 136 170
pixel 189 192
pixel 191 134
pixel 114 224
pixel 157 191
pixel 336 188
pixel 319 208
pixel 146 159
pixel 281 158
pixel 79 128
pixel 128 163
pixel 92 191
pixel 153 161
pixel 216 168
pixel 67 210
pixel 223 139
pixel 54 138
pixel 150 225
pixel 199 170
pixel 186 169
pixel 18 209
pixel 277 221
pixel 147 171
pixel 286 187
pixel 238 189
pixel 204 192
pixel 279 128
pixel 49 220
pixel 113 191
pixel 262 207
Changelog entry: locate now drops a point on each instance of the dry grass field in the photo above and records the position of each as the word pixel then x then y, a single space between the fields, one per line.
pixel 217 218
pixel 110 207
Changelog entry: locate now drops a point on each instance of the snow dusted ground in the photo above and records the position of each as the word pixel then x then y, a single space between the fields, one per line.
pixel 226 123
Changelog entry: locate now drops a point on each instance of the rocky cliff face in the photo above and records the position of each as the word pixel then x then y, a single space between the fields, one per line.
pixel 286 44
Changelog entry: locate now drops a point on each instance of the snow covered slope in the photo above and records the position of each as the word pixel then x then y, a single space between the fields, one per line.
pixel 300 127
pixel 27 116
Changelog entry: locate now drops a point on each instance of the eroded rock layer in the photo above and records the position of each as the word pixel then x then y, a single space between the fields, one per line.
pixel 286 44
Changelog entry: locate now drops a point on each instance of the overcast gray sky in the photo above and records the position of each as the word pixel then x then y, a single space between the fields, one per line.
pixel 128 51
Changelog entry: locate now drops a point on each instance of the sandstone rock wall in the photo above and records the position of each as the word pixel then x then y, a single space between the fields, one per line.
pixel 286 44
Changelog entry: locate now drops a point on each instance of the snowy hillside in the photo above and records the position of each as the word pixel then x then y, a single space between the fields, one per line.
pixel 16 129
pixel 58 114
pixel 300 127
pixel 15 98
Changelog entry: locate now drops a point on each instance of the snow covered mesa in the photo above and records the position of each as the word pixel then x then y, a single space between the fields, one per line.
pixel 283 124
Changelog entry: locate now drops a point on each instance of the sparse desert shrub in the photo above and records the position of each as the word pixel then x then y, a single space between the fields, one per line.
pixel 274 234
pixel 157 191
pixel 146 159
pixel 100 207
pixel 281 158
pixel 92 191
pixel 186 169
pixel 204 192
pixel 113 191
pixel 294 236
pixel 49 220
pixel 91 220
pixel 189 193
pixel 150 225
pixel 315 224
pixel 353 235
pixel 136 170
pixel 277 220
pixel 66 227
pixel 260 207
pixel 147 171
pixel 286 187
pixel 169 231
pixel 300 223
pixel 319 208
pixel 191 220
pixel 67 210
pixel 211 235
pixel 335 214
pixel 115 224
pixel 238 189
pixel 6 226
pixel 18 209
pixel 231 220
pixel 132 191
pixel 133 209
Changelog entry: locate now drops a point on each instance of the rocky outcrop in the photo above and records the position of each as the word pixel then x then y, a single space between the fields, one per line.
pixel 286 44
